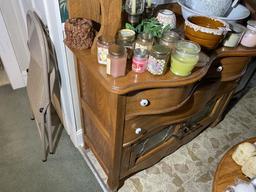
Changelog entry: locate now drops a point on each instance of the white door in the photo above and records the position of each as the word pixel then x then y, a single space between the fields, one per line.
pixel 14 45
pixel 9 58
pixel 50 15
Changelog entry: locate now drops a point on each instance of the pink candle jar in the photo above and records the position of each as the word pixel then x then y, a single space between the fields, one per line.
pixel 249 38
pixel 140 61
pixel 118 60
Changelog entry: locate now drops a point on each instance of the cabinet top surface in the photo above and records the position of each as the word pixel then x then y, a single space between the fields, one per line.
pixel 134 81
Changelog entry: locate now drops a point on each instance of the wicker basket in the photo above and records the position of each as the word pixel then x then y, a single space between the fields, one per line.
pixel 79 33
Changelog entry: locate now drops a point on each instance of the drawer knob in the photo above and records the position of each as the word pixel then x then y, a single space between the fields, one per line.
pixel 219 69
pixel 138 131
pixel 144 102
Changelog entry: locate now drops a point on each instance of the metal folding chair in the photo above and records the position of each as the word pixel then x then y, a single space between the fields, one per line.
pixel 43 82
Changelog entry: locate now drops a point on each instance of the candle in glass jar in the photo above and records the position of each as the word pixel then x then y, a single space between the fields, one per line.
pixel 133 7
pixel 149 3
pixel 249 38
pixel 140 61
pixel 102 49
pixel 158 59
pixel 181 65
pixel 118 59
pixel 144 41
pixel 184 58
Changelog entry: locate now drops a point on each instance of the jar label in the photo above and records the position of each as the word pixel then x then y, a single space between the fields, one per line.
pixel 139 46
pixel 139 66
pixel 102 55
pixel 156 66
pixel 108 68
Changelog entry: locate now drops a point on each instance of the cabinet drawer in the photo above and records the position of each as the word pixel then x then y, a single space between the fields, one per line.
pixel 229 68
pixel 154 101
pixel 140 126
pixel 233 67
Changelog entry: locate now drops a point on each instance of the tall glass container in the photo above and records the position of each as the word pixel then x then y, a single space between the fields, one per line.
pixel 144 41
pixel 134 8
pixel 118 60
pixel 169 39
pixel 102 49
pixel 126 38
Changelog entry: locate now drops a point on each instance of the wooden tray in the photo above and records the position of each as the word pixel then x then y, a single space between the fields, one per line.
pixel 228 171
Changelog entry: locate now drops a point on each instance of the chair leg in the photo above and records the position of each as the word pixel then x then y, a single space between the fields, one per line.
pixel 44 145
pixel 32 117
pixel 49 130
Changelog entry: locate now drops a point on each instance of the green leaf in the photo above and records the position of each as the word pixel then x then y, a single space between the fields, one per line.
pixel 151 26
pixel 129 26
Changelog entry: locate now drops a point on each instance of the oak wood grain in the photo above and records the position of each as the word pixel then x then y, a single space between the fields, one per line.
pixel 110 106
pixel 228 171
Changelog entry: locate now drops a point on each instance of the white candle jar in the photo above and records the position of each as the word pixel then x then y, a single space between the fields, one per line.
pixel 167 17
pixel 249 38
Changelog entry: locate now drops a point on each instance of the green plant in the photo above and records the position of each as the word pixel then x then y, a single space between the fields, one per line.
pixel 151 26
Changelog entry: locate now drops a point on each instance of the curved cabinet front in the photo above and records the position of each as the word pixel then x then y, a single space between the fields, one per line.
pixel 155 101
pixel 147 123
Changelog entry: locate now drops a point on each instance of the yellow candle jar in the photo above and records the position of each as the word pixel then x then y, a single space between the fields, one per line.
pixel 184 58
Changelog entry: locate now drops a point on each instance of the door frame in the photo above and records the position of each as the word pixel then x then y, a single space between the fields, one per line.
pixel 9 58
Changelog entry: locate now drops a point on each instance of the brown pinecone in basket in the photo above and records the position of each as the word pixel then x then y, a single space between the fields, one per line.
pixel 79 33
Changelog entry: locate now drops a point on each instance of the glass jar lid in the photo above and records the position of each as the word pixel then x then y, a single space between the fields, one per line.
pixel 237 28
pixel 126 35
pixel 140 53
pixel 116 50
pixel 253 181
pixel 145 37
pixel 105 40
pixel 166 12
pixel 160 49
pixel 251 24
pixel 170 36
pixel 188 47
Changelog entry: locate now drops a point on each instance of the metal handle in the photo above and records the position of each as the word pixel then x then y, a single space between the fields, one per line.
pixel 219 69
pixel 234 3
pixel 144 102
pixel 138 131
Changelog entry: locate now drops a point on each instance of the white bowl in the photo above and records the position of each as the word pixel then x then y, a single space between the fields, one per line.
pixel 239 12
pixel 213 8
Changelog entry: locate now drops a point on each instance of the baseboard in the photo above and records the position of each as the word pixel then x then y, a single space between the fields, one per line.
pixel 79 137
pixel 24 77
pixel 75 136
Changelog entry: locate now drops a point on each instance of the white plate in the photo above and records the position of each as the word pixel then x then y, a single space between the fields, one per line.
pixel 240 12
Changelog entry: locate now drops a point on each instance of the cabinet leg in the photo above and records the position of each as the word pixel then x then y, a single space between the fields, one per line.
pixel 113 184
pixel 86 146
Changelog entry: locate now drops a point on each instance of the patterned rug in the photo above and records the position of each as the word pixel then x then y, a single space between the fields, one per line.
pixel 191 168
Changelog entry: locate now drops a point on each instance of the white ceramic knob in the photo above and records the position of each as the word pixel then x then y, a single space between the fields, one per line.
pixel 219 69
pixel 138 131
pixel 144 102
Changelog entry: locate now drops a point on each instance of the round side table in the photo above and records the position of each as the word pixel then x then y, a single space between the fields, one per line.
pixel 228 171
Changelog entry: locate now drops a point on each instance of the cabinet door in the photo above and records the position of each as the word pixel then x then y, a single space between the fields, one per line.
pixel 153 141
pixel 169 138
